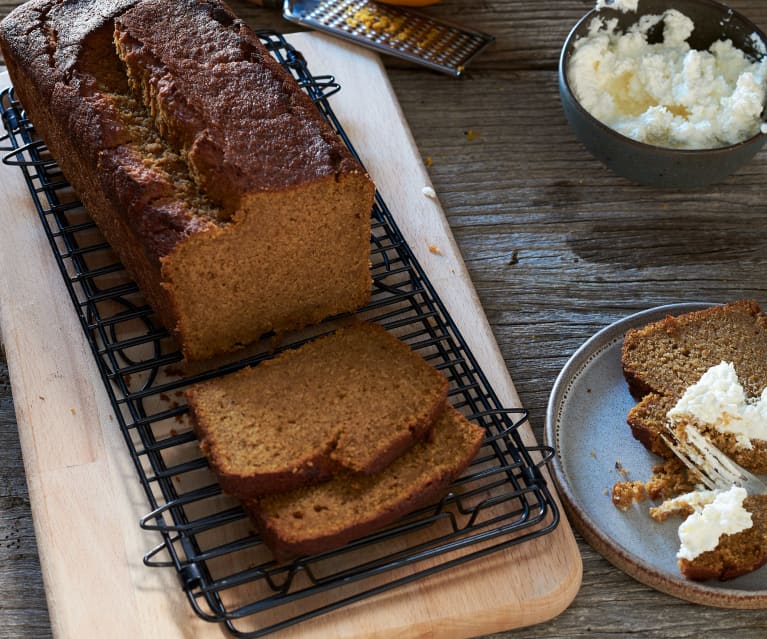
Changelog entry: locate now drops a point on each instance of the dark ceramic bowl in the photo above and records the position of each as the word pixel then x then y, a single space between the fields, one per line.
pixel 646 163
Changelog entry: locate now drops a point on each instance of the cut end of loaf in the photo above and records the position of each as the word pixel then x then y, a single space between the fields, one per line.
pixel 284 262
pixel 230 201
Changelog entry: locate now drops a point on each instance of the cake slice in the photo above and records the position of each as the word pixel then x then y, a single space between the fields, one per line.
pixel 317 518
pixel 734 554
pixel 663 359
pixel 353 400
pixel 668 356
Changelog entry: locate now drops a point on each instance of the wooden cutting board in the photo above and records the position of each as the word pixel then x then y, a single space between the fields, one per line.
pixel 86 499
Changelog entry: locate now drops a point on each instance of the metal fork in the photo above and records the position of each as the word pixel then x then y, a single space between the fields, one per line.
pixel 716 470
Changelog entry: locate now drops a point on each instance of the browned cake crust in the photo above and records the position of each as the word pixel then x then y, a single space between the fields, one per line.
pixel 355 399
pixel 661 360
pixel 737 554
pixel 233 145
pixel 322 517
pixel 231 202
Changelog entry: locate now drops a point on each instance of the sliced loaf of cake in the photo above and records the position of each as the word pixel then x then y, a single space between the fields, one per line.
pixel 355 399
pixel 229 199
pixel 317 518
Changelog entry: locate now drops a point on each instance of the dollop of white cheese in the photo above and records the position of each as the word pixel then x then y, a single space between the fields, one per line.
pixel 719 400
pixel 724 515
pixel 665 93
pixel 696 500
pixel 618 5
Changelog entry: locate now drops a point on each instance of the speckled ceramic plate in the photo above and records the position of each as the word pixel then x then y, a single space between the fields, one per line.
pixel 586 424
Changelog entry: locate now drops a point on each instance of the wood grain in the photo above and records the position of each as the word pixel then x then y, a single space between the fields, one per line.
pixel 23 612
pixel 557 247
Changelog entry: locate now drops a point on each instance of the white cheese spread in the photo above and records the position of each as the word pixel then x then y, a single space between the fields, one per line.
pixel 723 515
pixel 719 400
pixel 618 5
pixel 666 93
pixel 695 500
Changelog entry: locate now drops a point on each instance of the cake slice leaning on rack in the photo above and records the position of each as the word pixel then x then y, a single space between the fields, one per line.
pixel 325 516
pixel 351 429
pixel 353 400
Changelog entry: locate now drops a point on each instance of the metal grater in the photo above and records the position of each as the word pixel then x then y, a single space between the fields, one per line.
pixel 393 30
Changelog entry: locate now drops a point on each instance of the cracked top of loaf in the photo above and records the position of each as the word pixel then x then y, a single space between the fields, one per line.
pixel 180 108
pixel 216 92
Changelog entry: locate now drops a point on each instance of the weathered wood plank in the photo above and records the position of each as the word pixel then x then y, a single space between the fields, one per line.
pixel 23 611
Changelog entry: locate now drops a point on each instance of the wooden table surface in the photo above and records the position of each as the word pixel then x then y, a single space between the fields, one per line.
pixel 557 247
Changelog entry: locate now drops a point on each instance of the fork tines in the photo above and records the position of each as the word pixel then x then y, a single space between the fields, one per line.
pixel 715 469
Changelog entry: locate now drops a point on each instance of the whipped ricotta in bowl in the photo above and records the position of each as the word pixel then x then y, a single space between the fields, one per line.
pixel 647 82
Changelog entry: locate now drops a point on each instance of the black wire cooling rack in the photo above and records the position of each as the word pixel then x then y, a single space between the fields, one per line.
pixel 225 571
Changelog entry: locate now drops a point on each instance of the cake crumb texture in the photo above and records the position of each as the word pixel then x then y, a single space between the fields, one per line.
pixel 352 400
pixel 625 493
pixel 668 356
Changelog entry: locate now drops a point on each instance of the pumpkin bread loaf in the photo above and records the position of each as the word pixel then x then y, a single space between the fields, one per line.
pixel 355 399
pixel 228 198
pixel 661 360
pixel 318 518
